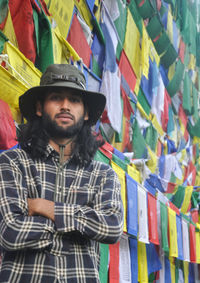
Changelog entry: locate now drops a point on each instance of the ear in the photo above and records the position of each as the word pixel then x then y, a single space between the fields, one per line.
pixel 38 109
pixel 86 115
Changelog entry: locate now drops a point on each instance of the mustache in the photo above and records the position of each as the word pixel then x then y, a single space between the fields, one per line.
pixel 65 113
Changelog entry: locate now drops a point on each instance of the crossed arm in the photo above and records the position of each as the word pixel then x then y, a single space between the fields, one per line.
pixel 43 207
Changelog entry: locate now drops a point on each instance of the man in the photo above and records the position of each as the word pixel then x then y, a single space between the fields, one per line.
pixel 56 202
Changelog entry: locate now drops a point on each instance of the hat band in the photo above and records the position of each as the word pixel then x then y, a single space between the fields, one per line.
pixel 62 77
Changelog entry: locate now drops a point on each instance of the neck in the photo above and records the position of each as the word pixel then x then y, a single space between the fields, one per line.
pixel 66 142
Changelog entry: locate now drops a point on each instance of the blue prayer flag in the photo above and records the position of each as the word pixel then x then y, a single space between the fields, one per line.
pixel 132 206
pixel 153 261
pixel 134 260
pixel 179 237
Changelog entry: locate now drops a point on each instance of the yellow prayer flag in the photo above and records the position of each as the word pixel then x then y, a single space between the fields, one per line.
pixel 186 270
pixel 171 71
pixel 192 62
pixel 170 25
pixel 83 9
pixel 132 44
pixel 154 54
pixel 142 263
pixel 10 90
pixel 121 175
pixel 9 30
pixel 197 235
pixel 62 14
pixel 63 51
pixel 142 111
pixel 137 86
pixel 133 172
pixel 21 67
pixel 152 163
pixel 172 269
pixel 173 249
pixel 156 125
pixel 187 198
pixel 145 47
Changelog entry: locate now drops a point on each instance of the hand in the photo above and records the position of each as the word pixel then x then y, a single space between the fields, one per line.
pixel 43 207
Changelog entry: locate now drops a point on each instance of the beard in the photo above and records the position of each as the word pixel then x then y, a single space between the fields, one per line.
pixel 55 131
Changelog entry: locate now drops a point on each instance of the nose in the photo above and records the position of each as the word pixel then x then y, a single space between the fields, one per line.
pixel 65 104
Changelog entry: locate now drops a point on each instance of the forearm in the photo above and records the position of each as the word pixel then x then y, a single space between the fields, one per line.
pixel 105 226
pixel 43 207
pixel 19 231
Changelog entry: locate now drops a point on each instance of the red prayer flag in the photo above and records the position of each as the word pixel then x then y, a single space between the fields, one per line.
pixel 172 206
pixel 152 219
pixel 165 113
pixel 76 38
pixel 7 130
pixel 192 243
pixel 182 50
pixel 195 215
pixel 127 71
pixel 114 263
pixel 22 17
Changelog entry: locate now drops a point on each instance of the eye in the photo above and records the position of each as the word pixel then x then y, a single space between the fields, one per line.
pixel 55 97
pixel 75 99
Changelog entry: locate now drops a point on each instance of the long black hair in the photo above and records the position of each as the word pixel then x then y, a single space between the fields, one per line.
pixel 33 138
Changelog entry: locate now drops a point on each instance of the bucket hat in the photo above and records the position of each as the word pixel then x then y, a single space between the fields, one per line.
pixel 62 76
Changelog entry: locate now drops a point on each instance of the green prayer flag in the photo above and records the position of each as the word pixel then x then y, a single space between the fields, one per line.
pixel 3 39
pixel 164 226
pixel 174 84
pixel 143 101
pixel 146 10
pixel 99 156
pixel 187 88
pixel 195 102
pixel 120 24
pixel 119 162
pixel 43 40
pixel 103 269
pixel 178 197
pixel 3 10
pixel 139 146
pixel 169 57
pixel 162 43
pixel 151 137
pixel 154 27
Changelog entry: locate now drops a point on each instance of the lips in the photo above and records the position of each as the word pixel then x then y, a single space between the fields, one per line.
pixel 65 116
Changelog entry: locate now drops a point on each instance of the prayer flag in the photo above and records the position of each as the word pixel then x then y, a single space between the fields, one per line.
pixel 8 138
pixel 164 226
pixel 186 247
pixel 187 199
pixel 77 39
pixel 152 219
pixel 142 214
pixel 132 44
pixel 134 259
pixel 132 206
pixel 121 175
pixel 103 269
pixel 124 260
pixel 192 243
pixel 62 14
pixel 127 71
pixel 153 260
pixel 179 237
pixel 142 263
pixel 173 247
pixel 114 263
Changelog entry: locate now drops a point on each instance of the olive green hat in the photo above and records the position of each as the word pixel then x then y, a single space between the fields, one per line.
pixel 62 76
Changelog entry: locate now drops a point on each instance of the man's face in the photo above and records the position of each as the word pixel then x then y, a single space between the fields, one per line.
pixel 63 114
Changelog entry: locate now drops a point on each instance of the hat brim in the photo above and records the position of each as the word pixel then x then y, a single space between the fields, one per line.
pixel 95 101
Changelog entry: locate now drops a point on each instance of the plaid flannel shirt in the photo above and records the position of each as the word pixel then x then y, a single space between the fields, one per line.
pixel 88 210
